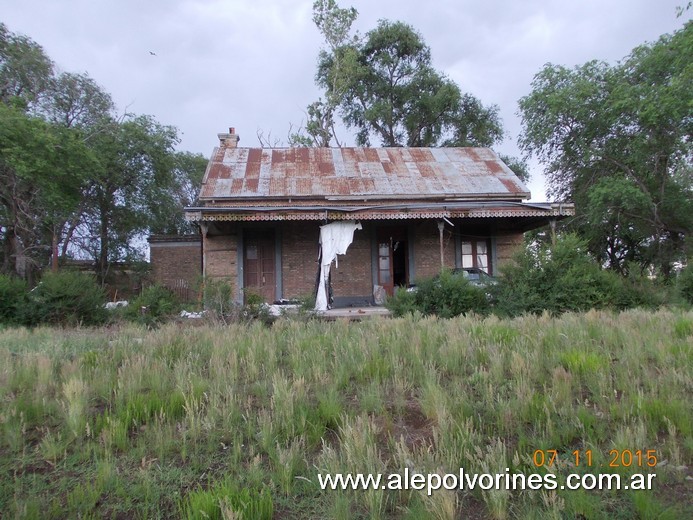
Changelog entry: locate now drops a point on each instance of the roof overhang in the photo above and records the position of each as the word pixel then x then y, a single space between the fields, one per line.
pixel 401 211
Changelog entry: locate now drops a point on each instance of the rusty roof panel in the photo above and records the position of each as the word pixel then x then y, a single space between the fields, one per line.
pixel 494 167
pixel 252 170
pixel 409 173
pixel 236 186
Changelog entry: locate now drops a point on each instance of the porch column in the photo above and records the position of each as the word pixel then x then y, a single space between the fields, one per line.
pixel 203 229
pixel 441 226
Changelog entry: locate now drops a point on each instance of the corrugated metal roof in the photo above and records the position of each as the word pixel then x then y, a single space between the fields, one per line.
pixel 359 173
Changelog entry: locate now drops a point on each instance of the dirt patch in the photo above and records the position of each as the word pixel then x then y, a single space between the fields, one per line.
pixel 408 424
pixel 470 508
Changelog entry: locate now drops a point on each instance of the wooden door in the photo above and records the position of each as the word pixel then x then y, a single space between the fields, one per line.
pixel 259 264
pixel 391 242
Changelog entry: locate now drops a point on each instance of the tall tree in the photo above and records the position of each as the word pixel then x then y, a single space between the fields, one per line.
pixel 617 141
pixel 385 87
pixel 77 105
pixel 74 178
pixel 42 170
pixel 25 69
pixel 136 158
pixel 168 214
pixel 42 165
pixel 334 23
pixel 77 101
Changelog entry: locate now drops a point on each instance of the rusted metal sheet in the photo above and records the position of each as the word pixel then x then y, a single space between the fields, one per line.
pixel 322 173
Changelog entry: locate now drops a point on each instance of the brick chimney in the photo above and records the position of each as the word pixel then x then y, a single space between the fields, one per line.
pixel 229 140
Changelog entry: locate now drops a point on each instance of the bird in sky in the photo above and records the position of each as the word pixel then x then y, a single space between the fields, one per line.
pixel 152 53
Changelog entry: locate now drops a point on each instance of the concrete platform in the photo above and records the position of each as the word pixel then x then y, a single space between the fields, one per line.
pixel 354 313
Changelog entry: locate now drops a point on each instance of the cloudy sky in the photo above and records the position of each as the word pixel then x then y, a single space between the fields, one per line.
pixel 250 64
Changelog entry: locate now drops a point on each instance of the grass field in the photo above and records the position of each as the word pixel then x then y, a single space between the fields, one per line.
pixel 237 422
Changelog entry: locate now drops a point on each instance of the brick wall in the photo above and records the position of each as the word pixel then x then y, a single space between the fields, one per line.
pixel 300 243
pixel 506 246
pixel 176 263
pixel 427 249
pixel 222 256
pixel 299 258
pixel 353 275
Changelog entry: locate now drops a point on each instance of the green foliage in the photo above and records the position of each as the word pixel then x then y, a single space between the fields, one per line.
pixel 155 305
pixel 238 421
pixel 218 298
pixel 255 308
pixel 76 176
pixel 403 302
pixel 385 86
pixel 684 282
pixel 564 278
pixel 25 69
pixel 42 171
pixel 168 216
pixel 445 296
pixel 67 298
pixel 616 141
pixel 137 160
pixel 13 300
pixel 226 500
pixel 517 165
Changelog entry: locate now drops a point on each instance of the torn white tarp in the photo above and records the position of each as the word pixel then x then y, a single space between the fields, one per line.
pixel 334 240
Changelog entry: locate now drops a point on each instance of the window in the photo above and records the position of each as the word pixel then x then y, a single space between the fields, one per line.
pixel 476 253
pixel 384 262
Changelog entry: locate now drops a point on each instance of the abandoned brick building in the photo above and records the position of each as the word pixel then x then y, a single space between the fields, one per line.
pixel 413 211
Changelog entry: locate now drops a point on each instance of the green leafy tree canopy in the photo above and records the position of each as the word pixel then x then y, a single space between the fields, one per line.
pixel 617 141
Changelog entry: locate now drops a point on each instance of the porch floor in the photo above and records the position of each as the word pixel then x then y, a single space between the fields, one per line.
pixel 354 313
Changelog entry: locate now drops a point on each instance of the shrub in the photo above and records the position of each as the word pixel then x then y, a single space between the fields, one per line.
pixel 446 295
pixel 685 282
pixel 154 305
pixel 255 308
pixel 13 300
pixel 218 298
pixel 66 298
pixel 564 278
pixel 403 302
pixel 637 291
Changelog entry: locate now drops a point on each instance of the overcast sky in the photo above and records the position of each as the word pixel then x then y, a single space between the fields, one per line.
pixel 250 64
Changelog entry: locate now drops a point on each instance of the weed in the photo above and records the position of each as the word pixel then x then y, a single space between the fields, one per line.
pixel 225 501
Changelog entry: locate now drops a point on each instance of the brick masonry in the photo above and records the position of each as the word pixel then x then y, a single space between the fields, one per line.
pixel 506 246
pixel 352 276
pixel 427 249
pixel 222 256
pixel 176 262
pixel 299 255
pixel 299 242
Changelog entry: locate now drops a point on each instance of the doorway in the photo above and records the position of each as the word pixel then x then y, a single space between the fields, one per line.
pixel 259 273
pixel 393 258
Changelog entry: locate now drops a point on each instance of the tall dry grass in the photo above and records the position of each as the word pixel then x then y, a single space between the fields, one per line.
pixel 157 421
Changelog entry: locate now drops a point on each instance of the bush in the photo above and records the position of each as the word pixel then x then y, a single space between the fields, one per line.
pixel 13 300
pixel 218 298
pixel 154 305
pixel 446 296
pixel 255 308
pixel 684 282
pixel 403 302
pixel 66 298
pixel 565 278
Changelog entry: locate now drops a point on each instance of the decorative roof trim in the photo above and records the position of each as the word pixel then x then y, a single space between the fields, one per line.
pixel 380 213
